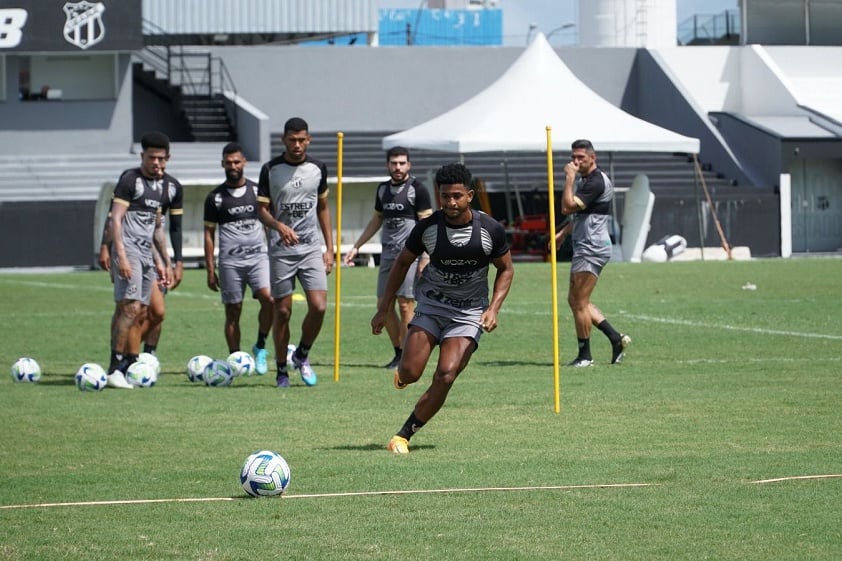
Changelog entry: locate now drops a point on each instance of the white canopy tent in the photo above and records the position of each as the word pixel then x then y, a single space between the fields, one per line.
pixel 538 90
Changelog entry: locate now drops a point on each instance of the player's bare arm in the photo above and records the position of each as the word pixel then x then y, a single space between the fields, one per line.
pixel 159 238
pixel 396 276
pixel 323 213
pixel 213 279
pixel 288 235
pixel 502 284
pixel 370 229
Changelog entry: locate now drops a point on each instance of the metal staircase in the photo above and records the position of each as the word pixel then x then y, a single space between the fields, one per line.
pixel 193 80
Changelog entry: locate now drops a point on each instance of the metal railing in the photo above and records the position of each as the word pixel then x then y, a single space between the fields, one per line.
pixel 193 72
pixel 709 28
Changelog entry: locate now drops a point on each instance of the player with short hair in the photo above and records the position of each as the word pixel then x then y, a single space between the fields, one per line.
pixel 589 207
pixel 152 321
pixel 243 258
pixel 139 196
pixel 399 204
pixel 292 192
pixel 453 306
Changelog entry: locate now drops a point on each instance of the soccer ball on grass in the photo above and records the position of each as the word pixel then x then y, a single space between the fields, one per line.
pixel 242 364
pixel 151 360
pixel 91 377
pixel 141 375
pixel 196 367
pixel 26 369
pixel 218 373
pixel 265 474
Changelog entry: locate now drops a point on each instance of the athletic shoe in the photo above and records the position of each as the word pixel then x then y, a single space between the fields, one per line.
pixel 282 381
pixel 260 360
pixel 618 349
pixel 398 445
pixel 393 363
pixel 580 362
pixel 118 380
pixel 306 371
pixel 397 382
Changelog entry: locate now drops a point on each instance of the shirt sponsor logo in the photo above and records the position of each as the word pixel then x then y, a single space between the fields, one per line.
pixel 237 210
pixel 459 262
pixel 295 210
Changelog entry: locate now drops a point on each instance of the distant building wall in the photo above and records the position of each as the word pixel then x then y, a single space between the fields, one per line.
pixel 67 126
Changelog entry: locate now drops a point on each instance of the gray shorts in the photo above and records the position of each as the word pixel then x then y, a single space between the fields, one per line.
pixel 407 288
pixel 466 324
pixel 234 279
pixel 139 285
pixel 309 269
pixel 592 264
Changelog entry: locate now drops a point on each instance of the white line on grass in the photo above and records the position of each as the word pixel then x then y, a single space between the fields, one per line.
pixel 333 495
pixel 673 321
pixel 797 477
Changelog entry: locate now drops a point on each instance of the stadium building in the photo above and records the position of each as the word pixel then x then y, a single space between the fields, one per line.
pixel 757 88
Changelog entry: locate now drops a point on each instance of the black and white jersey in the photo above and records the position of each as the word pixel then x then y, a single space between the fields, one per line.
pixel 293 191
pixel 590 225
pixel 143 198
pixel 399 206
pixel 457 276
pixel 242 240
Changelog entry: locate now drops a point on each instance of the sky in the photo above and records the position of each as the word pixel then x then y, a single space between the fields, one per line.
pixel 552 14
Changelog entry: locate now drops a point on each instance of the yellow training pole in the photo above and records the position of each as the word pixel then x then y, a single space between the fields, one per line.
pixel 553 276
pixel 338 259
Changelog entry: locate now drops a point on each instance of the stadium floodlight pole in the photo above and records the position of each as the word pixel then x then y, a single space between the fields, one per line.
pixel 338 258
pixel 553 274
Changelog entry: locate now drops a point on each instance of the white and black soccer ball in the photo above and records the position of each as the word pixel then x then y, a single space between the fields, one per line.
pixel 218 373
pixel 151 360
pixel 26 369
pixel 265 474
pixel 242 363
pixel 91 377
pixel 196 367
pixel 141 375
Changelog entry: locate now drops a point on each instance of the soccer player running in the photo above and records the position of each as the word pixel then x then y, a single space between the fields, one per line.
pixel 589 208
pixel 243 258
pixel 292 193
pixel 136 227
pixel 152 321
pixel 453 305
pixel 399 203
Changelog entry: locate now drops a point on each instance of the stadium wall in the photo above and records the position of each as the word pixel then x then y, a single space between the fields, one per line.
pixel 52 234
pixel 67 126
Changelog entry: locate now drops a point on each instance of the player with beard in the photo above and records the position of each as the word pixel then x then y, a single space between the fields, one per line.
pixel 243 258
pixel 399 203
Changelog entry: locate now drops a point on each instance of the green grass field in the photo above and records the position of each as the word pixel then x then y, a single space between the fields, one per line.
pixel 722 387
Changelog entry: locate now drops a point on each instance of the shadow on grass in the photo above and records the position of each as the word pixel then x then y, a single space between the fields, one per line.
pixel 505 363
pixel 58 381
pixel 378 446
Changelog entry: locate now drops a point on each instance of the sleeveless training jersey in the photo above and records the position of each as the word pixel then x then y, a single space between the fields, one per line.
pixel 456 278
pixel 292 191
pixel 242 241
pixel 143 198
pixel 590 225
pixel 399 206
